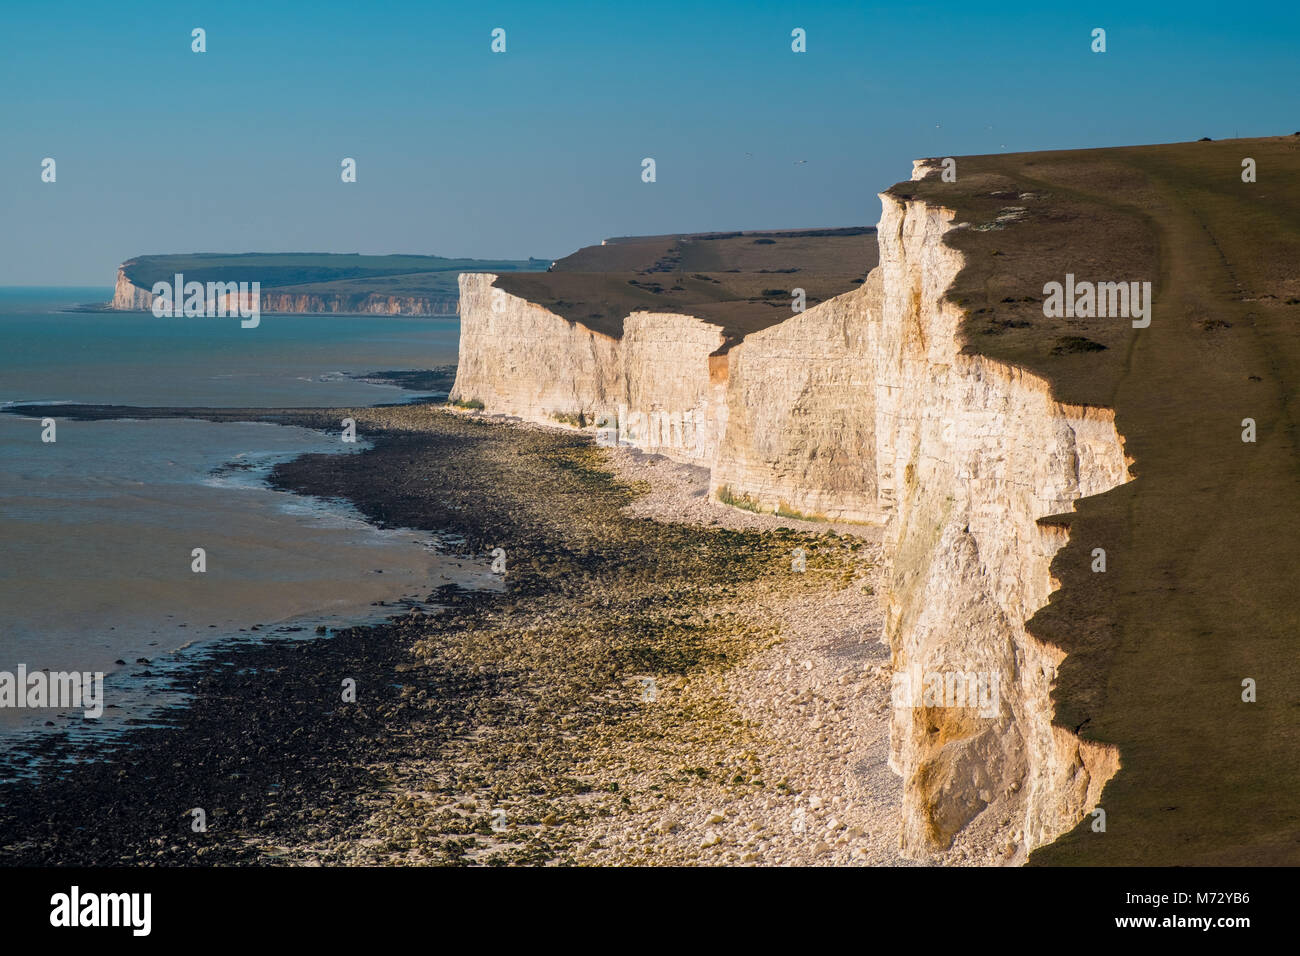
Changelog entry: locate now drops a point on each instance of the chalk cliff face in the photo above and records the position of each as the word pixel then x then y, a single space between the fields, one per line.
pixel 800 434
pixel 372 304
pixel 129 297
pixel 970 453
pixel 655 384
pixel 863 408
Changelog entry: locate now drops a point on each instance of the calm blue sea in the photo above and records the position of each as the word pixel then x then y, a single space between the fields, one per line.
pixel 97 528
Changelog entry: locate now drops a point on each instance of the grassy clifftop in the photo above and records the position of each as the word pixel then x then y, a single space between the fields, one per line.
pixel 1199 592
pixel 742 281
pixel 323 273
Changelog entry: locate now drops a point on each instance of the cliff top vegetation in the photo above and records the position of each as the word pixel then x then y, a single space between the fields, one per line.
pixel 742 281
pixel 323 273
pixel 1197 606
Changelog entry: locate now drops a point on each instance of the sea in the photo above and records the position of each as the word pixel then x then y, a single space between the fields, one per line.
pixel 98 528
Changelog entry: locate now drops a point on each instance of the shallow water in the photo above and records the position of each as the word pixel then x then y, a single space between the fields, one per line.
pixel 97 529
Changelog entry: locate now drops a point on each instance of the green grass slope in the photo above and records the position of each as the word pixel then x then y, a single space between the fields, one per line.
pixel 323 273
pixel 742 281
pixel 1203 547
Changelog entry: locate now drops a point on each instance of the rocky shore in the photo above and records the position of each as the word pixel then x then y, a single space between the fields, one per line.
pixel 663 680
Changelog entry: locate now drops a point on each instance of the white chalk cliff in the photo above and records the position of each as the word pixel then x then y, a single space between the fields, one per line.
pixel 129 297
pixel 863 408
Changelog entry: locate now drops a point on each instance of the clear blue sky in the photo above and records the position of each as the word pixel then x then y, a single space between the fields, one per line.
pixel 537 151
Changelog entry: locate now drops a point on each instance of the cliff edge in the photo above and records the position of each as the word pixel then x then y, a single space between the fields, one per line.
pixel 861 408
pixel 951 400
pixel 319 283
